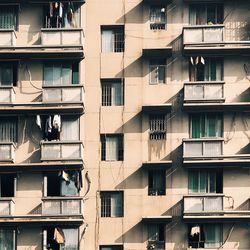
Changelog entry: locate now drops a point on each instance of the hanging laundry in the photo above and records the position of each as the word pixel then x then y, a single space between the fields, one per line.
pixel 192 59
pixel 50 9
pixel 59 236
pixel 48 126
pixel 65 176
pixel 57 122
pixel 61 10
pixel 202 60
pixel 38 121
pixel 195 230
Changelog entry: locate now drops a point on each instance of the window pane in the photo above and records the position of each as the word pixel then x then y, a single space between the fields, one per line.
pixel 112 148
pixel 6 75
pixel 7 18
pixel 107 41
pixel 71 239
pixel 6 239
pixel 8 129
pixel 203 182
pixel 212 235
pixel 196 126
pixel 193 181
pixel 212 182
pixel 70 129
pixel 153 232
pixel 66 74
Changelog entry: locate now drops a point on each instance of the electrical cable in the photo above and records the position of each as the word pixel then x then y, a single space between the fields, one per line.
pixel 30 80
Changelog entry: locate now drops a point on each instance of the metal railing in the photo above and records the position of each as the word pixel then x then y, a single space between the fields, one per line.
pixel 6 207
pixel 203 91
pixel 7 37
pixel 203 203
pixel 7 152
pixel 156 245
pixel 61 150
pixel 7 94
pixel 62 206
pixel 61 36
pixel 68 93
pixel 203 147
pixel 199 34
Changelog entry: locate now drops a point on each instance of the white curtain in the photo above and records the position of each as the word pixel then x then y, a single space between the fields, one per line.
pixel 8 130
pixel 212 236
pixel 116 204
pixel 71 239
pixel 107 41
pixel 116 94
pixel 70 129
pixel 112 145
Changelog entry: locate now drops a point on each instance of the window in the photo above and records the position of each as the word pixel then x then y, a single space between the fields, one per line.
pixel 8 129
pixel 112 147
pixel 202 14
pixel 157 17
pixel 8 17
pixel 52 235
pixel 157 71
pixel 63 183
pixel 112 39
pixel 156 236
pixel 7 239
pixel 112 204
pixel 7 185
pixel 205 181
pixel 110 247
pixel 62 15
pixel 206 69
pixel 8 74
pixel 112 92
pixel 70 129
pixel 205 236
pixel 61 74
pixel 157 127
pixel 156 182
pixel 205 125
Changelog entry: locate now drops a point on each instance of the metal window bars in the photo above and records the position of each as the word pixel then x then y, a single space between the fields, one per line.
pixel 157 127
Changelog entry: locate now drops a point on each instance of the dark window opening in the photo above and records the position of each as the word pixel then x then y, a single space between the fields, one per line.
pixel 8 74
pixel 7 185
pixel 8 129
pixel 62 15
pixel 110 247
pixel 156 182
pixel 157 17
pixel 156 236
pixel 202 14
pixel 112 147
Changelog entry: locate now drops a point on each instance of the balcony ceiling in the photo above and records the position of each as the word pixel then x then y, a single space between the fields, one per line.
pixel 157 219
pixel 157 2
pixel 157 53
pixel 157 108
pixel 157 165
pixel 237 217
pixel 218 107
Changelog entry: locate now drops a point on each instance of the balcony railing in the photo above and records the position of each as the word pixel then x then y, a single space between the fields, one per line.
pixel 6 207
pixel 7 94
pixel 61 36
pixel 7 152
pixel 59 94
pixel 61 150
pixel 204 147
pixel 203 91
pixel 62 206
pixel 200 34
pixel 203 203
pixel 7 37
pixel 156 245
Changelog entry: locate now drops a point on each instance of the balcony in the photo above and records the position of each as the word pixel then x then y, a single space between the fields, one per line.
pixel 61 37
pixel 61 151
pixel 204 40
pixel 7 94
pixel 204 92
pixel 203 148
pixel 7 37
pixel 6 207
pixel 203 203
pixel 72 94
pixel 62 206
pixel 203 34
pixel 7 152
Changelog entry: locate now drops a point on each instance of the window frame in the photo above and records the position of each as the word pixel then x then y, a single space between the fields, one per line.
pixel 15 8
pixel 106 209
pixel 157 127
pixel 119 149
pixel 14 236
pixel 154 190
pixel 108 100
pixel 156 24
pixel 157 67
pixel 116 46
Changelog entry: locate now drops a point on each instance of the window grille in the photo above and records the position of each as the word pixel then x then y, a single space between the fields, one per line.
pixel 112 147
pixel 112 204
pixel 157 127
pixel 8 18
pixel 157 71
pixel 112 93
pixel 113 39
pixel 157 18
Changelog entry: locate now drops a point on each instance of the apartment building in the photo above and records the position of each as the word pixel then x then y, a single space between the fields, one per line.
pixel 41 149
pixel 167 124
pixel 152 153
